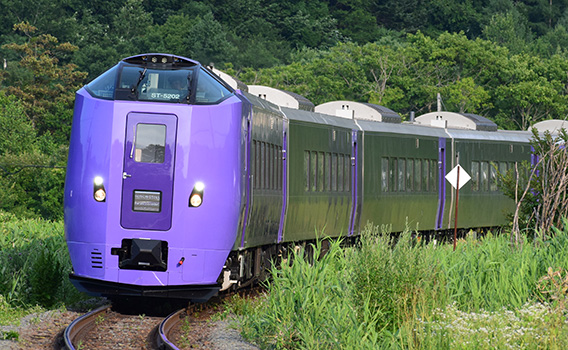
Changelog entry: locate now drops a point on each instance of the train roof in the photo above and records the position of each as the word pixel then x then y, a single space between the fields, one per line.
pixel 358 110
pixel 553 126
pixel 409 129
pixel 281 97
pixel 233 82
pixel 457 121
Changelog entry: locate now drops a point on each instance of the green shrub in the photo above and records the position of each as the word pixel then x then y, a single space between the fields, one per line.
pixel 308 306
pixel 34 263
pixel 393 276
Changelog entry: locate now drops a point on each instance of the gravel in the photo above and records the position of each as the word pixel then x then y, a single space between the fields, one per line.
pixel 44 331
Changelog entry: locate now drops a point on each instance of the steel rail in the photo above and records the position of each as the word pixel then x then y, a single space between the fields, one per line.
pixel 81 325
pixel 165 328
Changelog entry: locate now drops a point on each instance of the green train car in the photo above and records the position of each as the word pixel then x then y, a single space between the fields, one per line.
pixel 329 170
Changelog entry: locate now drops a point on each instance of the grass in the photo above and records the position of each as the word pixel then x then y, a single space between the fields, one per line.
pixel 405 294
pixel 34 267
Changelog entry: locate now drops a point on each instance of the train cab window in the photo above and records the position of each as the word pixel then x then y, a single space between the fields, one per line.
pixel 385 174
pixel 140 81
pixel 156 85
pixel 103 85
pixel 475 176
pixel 209 90
pixel 150 143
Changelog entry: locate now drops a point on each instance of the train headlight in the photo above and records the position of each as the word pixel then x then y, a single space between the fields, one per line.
pixel 196 197
pixel 99 192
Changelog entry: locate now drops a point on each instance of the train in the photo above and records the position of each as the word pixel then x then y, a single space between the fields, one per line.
pixel 180 184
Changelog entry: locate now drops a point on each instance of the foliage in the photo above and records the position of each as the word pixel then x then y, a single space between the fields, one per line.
pixel 408 294
pixel 31 167
pixel 392 272
pixel 47 91
pixel 310 304
pixel 540 190
pixel 34 264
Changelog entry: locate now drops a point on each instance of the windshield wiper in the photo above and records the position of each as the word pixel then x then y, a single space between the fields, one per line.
pixel 142 75
pixel 188 86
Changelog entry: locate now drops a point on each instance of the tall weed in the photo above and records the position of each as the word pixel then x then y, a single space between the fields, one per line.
pixel 308 306
pixel 34 263
pixel 393 276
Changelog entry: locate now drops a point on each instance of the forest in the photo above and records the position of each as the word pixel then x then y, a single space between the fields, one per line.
pixel 503 59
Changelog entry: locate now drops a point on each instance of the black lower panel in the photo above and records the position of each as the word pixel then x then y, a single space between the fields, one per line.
pixel 194 293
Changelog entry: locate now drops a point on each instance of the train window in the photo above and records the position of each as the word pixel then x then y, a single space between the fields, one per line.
pixel 262 165
pixel 103 85
pixel 334 172
pixel 425 173
pixel 410 175
pixel 433 175
pixel 320 172
pixel 258 161
pixel 313 172
pixel 348 170
pixel 503 168
pixel 253 163
pixel 269 166
pixel 328 171
pixel 417 175
pixel 392 174
pixel 385 174
pixel 340 172
pixel 475 176
pixel 484 173
pixel 493 177
pixel 154 84
pixel 280 167
pixel 209 90
pixel 401 171
pixel 306 171
pixel 150 143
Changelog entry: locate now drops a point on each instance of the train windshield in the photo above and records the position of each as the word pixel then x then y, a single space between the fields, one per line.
pixel 159 85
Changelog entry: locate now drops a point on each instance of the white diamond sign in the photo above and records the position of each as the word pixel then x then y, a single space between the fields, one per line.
pixel 452 176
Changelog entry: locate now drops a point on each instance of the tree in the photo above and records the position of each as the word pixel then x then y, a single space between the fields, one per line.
pixel 509 30
pixel 540 190
pixel 48 88
pixel 31 167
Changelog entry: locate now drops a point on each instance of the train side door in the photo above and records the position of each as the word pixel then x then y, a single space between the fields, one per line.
pixel 441 182
pixel 356 200
pixel 148 170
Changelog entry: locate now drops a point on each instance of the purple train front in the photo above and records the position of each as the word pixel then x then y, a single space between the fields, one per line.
pixel 154 187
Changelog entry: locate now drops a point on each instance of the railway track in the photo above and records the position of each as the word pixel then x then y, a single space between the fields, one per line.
pixel 79 334
pixel 129 328
pixel 77 330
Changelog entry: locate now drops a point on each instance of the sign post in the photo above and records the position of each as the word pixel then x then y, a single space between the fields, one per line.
pixel 453 178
